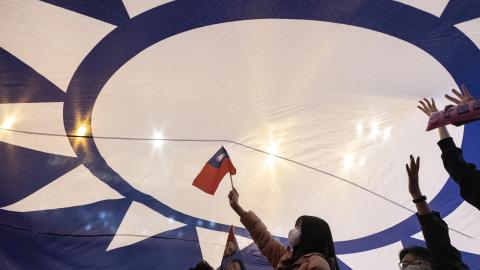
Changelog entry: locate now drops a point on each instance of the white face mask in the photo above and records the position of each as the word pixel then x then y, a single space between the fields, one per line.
pixel 417 267
pixel 294 236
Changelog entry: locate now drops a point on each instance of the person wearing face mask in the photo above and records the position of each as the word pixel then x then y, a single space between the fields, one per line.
pixel 415 258
pixel 310 239
pixel 439 254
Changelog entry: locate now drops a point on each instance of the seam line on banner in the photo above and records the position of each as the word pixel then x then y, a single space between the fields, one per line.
pixel 226 141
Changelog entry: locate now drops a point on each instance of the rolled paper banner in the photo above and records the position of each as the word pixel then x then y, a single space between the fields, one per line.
pixel 455 115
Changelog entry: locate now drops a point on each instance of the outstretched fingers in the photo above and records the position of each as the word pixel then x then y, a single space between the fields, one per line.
pixel 465 91
pixel 452 99
pixel 423 108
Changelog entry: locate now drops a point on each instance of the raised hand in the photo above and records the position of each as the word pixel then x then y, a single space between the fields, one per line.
pixel 414 187
pixel 428 107
pixel 233 199
pixel 412 171
pixel 462 97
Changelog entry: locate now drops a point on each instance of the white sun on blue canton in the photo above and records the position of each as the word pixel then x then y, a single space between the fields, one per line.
pixel 220 157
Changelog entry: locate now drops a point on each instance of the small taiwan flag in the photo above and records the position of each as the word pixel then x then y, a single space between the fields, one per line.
pixel 213 172
pixel 232 256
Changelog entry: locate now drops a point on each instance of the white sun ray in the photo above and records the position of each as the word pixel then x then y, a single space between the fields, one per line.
pixel 139 223
pixel 471 29
pixel 373 258
pixel 78 187
pixel 50 39
pixel 212 244
pixel 35 117
pixel 434 7
pixel 136 7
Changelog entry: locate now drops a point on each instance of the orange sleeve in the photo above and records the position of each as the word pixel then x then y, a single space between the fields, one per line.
pixel 318 263
pixel 270 248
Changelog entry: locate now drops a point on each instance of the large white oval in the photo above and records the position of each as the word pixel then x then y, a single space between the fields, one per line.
pixel 333 97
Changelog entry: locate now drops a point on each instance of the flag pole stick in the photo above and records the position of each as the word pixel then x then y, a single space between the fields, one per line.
pixel 231 180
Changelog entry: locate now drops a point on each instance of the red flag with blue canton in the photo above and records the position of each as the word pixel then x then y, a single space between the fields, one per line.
pixel 213 172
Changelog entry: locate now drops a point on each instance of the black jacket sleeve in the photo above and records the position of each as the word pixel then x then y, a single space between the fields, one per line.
pixel 435 232
pixel 465 174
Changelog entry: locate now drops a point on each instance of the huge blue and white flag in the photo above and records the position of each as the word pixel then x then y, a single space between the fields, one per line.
pixel 107 108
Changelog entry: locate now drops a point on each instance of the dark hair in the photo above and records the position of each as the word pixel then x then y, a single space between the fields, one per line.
pixel 203 265
pixel 315 237
pixel 418 251
pixel 240 263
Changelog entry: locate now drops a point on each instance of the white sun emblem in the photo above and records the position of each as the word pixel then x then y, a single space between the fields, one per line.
pixel 220 157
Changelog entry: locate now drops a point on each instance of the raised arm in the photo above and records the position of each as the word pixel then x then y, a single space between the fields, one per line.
pixel 434 229
pixel 465 174
pixel 414 188
pixel 269 247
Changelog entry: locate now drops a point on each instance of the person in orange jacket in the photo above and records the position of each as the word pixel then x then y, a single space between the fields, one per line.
pixel 310 240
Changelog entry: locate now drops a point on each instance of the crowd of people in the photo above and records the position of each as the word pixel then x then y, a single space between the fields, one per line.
pixel 311 245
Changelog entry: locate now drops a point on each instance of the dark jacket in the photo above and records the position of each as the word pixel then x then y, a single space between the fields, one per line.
pixel 465 174
pixel 435 232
